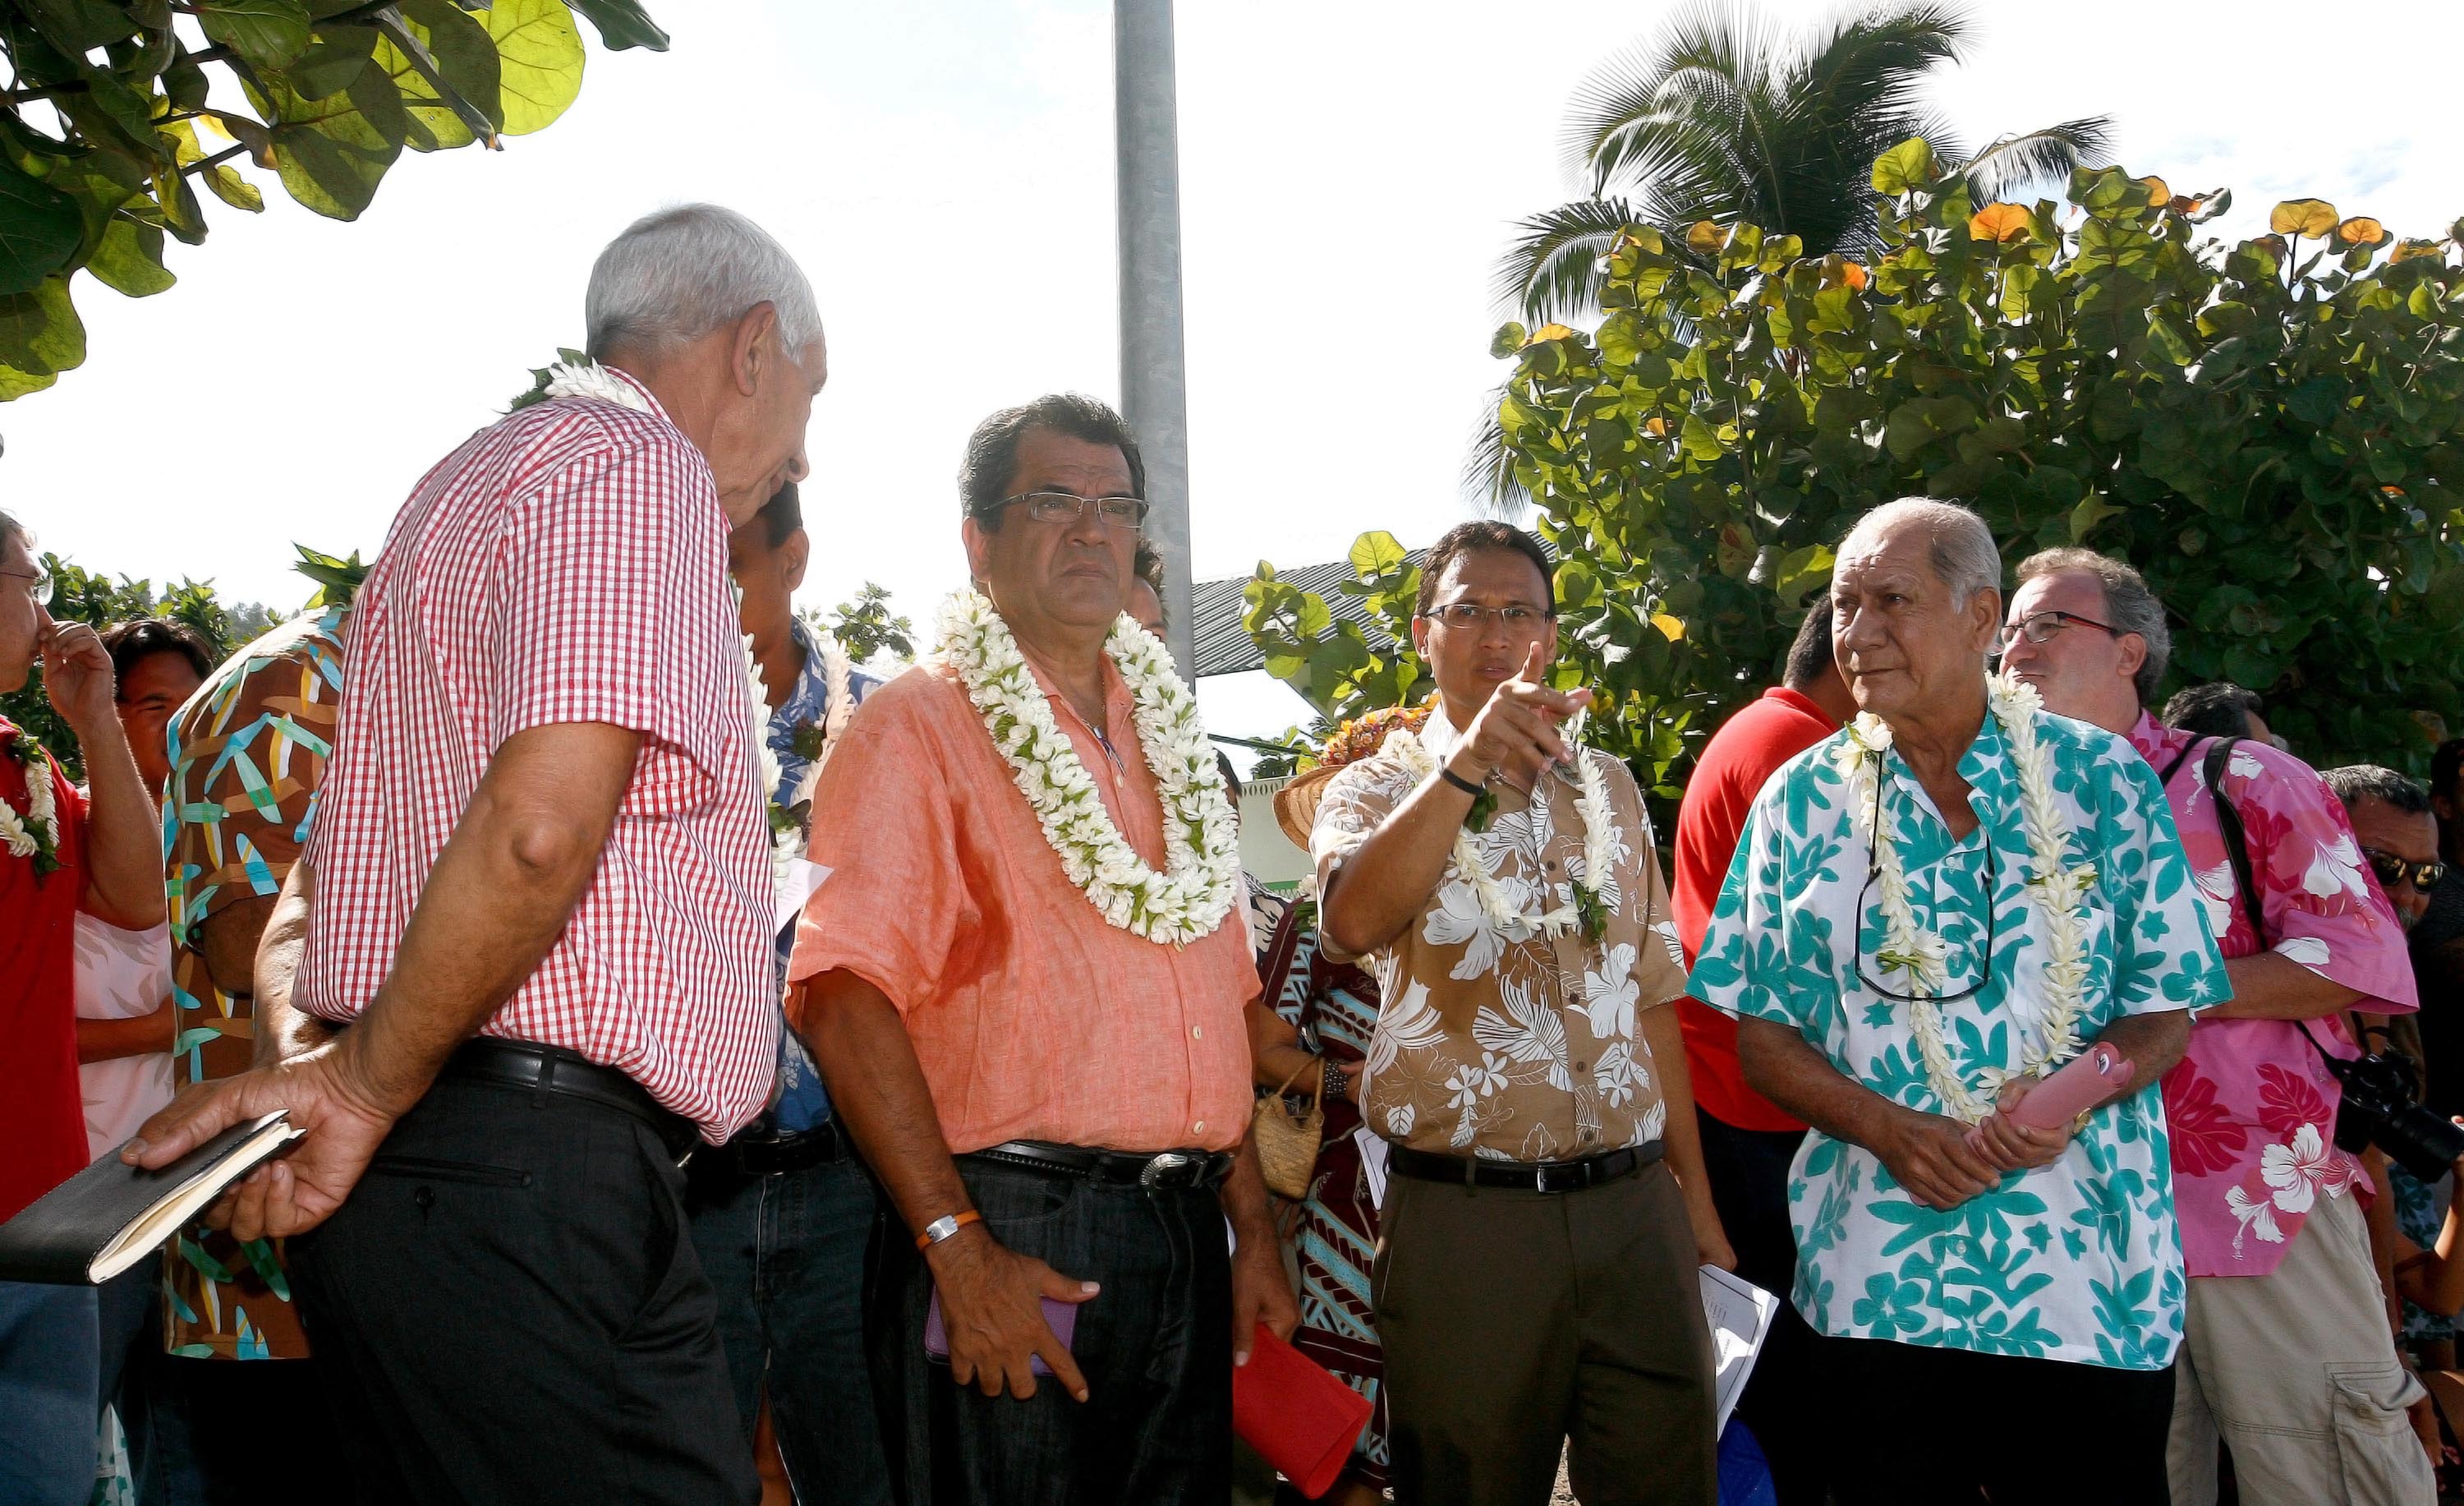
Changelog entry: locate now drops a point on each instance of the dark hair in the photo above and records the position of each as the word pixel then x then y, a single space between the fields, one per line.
pixel 1148 567
pixel 2221 709
pixel 129 642
pixel 2444 766
pixel 1470 538
pixel 992 451
pixel 1809 655
pixel 781 516
pixel 2371 782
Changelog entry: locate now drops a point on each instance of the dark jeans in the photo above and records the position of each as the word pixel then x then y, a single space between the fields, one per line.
pixel 214 1446
pixel 507 1309
pixel 1915 1427
pixel 1782 1406
pixel 785 1256
pixel 1155 1346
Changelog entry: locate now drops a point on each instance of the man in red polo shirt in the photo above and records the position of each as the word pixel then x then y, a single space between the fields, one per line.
pixel 1748 1141
pixel 57 854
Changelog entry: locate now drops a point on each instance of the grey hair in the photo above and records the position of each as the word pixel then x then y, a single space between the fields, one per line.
pixel 2129 606
pixel 2373 782
pixel 675 275
pixel 1963 555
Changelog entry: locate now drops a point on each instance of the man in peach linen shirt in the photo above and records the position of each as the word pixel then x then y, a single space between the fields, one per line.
pixel 1055 1104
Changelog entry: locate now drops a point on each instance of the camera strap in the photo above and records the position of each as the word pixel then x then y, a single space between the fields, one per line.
pixel 2229 826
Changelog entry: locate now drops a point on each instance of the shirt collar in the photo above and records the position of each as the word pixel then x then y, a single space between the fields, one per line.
pixel 2154 739
pixel 1800 702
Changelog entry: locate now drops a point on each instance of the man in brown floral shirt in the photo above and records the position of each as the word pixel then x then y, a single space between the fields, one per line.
pixel 1535 1281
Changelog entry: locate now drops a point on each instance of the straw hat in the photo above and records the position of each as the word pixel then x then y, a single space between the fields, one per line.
pixel 1296 803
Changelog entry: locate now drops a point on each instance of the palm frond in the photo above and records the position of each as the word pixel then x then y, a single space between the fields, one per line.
pixel 1552 271
pixel 1705 55
pixel 2041 156
pixel 1489 483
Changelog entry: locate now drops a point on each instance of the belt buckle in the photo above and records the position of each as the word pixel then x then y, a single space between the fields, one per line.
pixel 1153 1173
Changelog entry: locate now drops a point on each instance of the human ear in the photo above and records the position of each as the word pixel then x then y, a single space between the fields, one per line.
pixel 979 549
pixel 793 556
pixel 755 353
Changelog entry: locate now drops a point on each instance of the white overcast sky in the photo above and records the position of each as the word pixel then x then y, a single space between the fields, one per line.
pixel 944 171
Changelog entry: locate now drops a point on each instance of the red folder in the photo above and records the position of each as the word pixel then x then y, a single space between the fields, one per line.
pixel 1299 1418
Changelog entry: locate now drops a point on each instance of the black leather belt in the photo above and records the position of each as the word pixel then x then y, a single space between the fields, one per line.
pixel 1169 1168
pixel 552 1069
pixel 755 1156
pixel 1531 1176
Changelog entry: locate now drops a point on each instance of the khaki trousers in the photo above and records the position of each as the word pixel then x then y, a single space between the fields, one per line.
pixel 2296 1371
pixel 1515 1322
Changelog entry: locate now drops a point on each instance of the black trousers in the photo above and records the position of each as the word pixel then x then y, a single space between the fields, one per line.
pixel 507 1309
pixel 1915 1427
pixel 1782 1406
pixel 1155 1345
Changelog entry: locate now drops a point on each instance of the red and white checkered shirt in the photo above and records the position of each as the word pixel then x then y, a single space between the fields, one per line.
pixel 567 563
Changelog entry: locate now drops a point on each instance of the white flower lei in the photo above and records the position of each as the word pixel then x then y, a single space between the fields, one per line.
pixel 38 834
pixel 1599 844
pixel 590 379
pixel 1201 876
pixel 2057 889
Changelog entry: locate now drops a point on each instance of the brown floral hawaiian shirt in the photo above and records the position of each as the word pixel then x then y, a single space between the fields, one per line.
pixel 1498 1040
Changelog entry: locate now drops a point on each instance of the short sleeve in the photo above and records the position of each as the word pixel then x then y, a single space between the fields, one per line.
pixel 2323 909
pixel 894 908
pixel 1741 967
pixel 1356 802
pixel 614 579
pixel 2163 956
pixel 1642 892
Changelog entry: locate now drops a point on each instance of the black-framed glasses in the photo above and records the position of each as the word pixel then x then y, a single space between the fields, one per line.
pixel 1067 507
pixel 2038 625
pixel 2394 869
pixel 1471 617
pixel 38 583
pixel 1874 870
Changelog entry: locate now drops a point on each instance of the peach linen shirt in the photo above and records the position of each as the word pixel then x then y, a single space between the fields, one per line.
pixel 1032 1017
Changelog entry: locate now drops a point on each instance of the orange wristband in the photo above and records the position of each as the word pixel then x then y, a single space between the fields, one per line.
pixel 941 1228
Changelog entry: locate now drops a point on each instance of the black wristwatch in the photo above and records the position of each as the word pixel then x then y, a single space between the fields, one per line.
pixel 1332 1083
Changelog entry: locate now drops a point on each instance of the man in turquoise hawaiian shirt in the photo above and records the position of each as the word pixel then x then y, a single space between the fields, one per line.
pixel 1978 1298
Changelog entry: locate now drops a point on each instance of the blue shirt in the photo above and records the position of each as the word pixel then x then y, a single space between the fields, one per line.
pixel 802 1102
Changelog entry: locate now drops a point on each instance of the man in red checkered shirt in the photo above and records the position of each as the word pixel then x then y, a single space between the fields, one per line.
pixel 533 919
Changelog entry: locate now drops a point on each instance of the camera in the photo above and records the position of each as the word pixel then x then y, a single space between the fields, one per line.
pixel 2380 1109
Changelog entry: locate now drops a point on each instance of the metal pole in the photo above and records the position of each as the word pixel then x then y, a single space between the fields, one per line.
pixel 1153 372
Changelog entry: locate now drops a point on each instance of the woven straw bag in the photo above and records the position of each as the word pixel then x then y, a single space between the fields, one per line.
pixel 1288 1143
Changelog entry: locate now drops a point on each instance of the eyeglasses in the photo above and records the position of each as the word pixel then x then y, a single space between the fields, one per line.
pixel 2038 626
pixel 1874 870
pixel 1067 507
pixel 38 583
pixel 1471 617
pixel 2393 871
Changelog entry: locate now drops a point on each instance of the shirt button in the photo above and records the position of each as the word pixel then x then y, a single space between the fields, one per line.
pixel 1582 1066
pixel 1199 1128
pixel 1588 1136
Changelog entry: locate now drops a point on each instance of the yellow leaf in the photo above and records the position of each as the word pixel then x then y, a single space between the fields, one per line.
pixel 1549 332
pixel 2159 192
pixel 1672 628
pixel 1656 427
pixel 2302 217
pixel 1853 274
pixel 2361 230
pixel 2182 204
pixel 1705 236
pixel 2000 222
pixel 2407 249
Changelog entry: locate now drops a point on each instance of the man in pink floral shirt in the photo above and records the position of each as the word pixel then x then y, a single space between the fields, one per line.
pixel 2288 1356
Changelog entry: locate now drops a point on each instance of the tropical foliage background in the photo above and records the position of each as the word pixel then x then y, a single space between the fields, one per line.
pixel 115 112
pixel 2271 431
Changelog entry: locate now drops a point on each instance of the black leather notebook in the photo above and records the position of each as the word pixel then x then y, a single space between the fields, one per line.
pixel 112 1215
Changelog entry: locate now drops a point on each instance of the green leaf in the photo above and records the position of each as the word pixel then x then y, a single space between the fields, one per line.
pixel 1376 554
pixel 1801 570
pixel 621 24
pixel 444 66
pixel 40 333
pixel 130 258
pixel 40 229
pixel 339 54
pixel 332 152
pixel 540 57
pixel 266 34
pixel 2092 510
pixel 1907 166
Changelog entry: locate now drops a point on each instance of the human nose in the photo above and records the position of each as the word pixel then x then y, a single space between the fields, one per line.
pixel 799 466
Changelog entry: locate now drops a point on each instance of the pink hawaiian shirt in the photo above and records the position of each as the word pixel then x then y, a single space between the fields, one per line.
pixel 2251 1110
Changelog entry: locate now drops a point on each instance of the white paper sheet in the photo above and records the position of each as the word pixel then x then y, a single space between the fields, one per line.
pixel 796 885
pixel 1740 1316
pixel 1373 1162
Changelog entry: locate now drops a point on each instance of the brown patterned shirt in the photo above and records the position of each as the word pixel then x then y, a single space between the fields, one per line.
pixel 1502 1041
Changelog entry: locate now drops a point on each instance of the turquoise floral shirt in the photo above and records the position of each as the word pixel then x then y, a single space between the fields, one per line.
pixel 2078 1260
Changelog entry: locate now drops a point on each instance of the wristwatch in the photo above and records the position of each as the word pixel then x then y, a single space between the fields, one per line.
pixel 1332 1083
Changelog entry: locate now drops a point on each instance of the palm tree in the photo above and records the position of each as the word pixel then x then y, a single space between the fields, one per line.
pixel 1718 116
